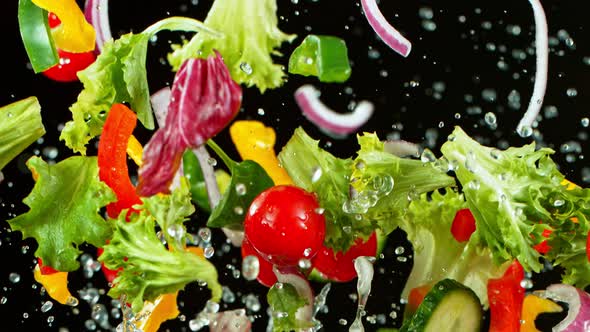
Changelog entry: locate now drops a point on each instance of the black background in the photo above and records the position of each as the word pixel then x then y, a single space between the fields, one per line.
pixel 463 52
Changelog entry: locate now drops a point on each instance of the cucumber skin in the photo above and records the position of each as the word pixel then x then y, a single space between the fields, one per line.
pixel 419 321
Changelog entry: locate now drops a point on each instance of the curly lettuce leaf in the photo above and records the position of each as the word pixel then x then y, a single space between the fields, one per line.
pixel 515 195
pixel 149 269
pixel 64 210
pixel 284 301
pixel 170 211
pixel 118 75
pixel 385 183
pixel 20 126
pixel 381 182
pixel 251 37
pixel 437 255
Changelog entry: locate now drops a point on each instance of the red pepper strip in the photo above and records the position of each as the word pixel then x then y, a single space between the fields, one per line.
pixel 112 158
pixel 45 270
pixel 112 163
pixel 416 297
pixel 506 297
pixel 543 248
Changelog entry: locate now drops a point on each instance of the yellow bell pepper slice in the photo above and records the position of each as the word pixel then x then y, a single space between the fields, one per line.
pixel 533 306
pixel 74 34
pixel 56 285
pixel 134 150
pixel 254 141
pixel 570 185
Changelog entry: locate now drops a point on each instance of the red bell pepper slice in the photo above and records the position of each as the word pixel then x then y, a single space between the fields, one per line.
pixel 463 225
pixel 45 270
pixel 112 158
pixel 112 163
pixel 506 297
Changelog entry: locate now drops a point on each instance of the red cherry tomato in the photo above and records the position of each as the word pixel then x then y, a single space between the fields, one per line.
pixel 463 225
pixel 69 64
pixel 45 270
pixel 340 266
pixel 265 274
pixel 53 20
pixel 283 225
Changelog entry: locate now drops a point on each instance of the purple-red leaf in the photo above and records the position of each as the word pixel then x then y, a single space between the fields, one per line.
pixel 204 99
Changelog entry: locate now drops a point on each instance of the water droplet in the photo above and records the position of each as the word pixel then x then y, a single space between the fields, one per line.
pixel 316 174
pixel 246 68
pixel 526 283
pixel 239 210
pixel 205 234
pixel 427 156
pixel 571 92
pixel 558 202
pixel 490 118
pixel 14 277
pixel 212 161
pixel 241 189
pixel 304 263
pixel 208 252
pixel 307 252
pixel 585 122
pixel 525 131
pixel 250 267
pixel 399 250
pixel 47 305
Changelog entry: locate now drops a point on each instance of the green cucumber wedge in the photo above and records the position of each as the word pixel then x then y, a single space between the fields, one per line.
pixel 448 307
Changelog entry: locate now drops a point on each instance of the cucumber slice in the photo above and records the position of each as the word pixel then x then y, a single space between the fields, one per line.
pixel 449 306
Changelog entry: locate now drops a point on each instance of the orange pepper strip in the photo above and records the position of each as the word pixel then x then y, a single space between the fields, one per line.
pixel 163 308
pixel 254 141
pixel 74 34
pixel 532 307
pixel 56 285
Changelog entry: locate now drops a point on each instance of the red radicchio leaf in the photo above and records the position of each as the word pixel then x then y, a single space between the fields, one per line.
pixel 204 100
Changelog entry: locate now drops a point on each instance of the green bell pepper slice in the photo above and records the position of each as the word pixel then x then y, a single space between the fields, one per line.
pixel 325 57
pixel 36 35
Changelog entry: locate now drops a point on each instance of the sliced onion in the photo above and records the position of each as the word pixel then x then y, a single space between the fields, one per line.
pixel 542 53
pixel 291 276
pixel 402 148
pixel 384 30
pixel 578 301
pixel 97 14
pixel 307 97
pixel 230 321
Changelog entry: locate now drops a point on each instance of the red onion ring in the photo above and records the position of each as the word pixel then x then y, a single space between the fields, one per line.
pixel 578 301
pixel 402 148
pixel 291 276
pixel 384 30
pixel 542 53
pixel 230 321
pixel 97 14
pixel 160 101
pixel 307 97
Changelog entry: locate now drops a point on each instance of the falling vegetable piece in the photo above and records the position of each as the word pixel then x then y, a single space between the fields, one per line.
pixel 384 30
pixel 56 285
pixel 533 306
pixel 254 141
pixel 578 303
pixel 506 296
pixel 112 158
pixel 204 100
pixel 97 14
pixel 524 127
pixel 415 298
pixel 463 225
pixel 20 126
pixel 157 312
pixel 66 70
pixel 74 34
pixel 36 36
pixel 307 97
pixel 325 57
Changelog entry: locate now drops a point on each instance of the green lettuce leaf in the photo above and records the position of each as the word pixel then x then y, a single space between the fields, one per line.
pixel 64 210
pixel 284 301
pixel 251 36
pixel 515 195
pixel 118 75
pixel 385 183
pixel 382 183
pixel 20 126
pixel 170 211
pixel 437 255
pixel 149 268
